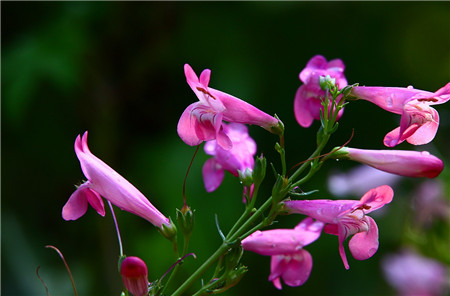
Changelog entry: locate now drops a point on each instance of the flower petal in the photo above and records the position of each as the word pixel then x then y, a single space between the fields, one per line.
pixel 186 127
pixel 301 108
pixel 364 245
pixel 376 198
pixel 96 201
pixel 213 174
pixel 298 269
pixel 77 204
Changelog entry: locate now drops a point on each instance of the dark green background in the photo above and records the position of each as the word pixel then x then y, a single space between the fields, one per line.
pixel 116 70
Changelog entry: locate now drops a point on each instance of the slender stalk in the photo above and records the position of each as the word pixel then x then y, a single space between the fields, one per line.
pixel 117 228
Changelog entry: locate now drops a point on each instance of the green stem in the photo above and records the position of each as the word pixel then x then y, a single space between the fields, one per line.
pixel 251 220
pixel 205 266
pixel 222 249
pixel 316 153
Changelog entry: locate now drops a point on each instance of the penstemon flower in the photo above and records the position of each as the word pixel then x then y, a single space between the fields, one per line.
pixel 239 157
pixel 203 120
pixel 104 181
pixel 400 162
pixel 135 275
pixel 307 103
pixel 419 122
pixel 346 218
pixel 289 261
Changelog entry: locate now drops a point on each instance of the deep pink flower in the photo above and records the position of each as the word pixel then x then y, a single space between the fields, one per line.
pixel 289 261
pixel 345 218
pixel 135 275
pixel 104 181
pixel 202 121
pixel 419 122
pixel 411 274
pixel 401 162
pixel 307 103
pixel 240 157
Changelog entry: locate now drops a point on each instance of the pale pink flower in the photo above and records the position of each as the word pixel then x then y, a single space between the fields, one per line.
pixel 104 181
pixel 419 122
pixel 346 218
pixel 400 162
pixel 307 103
pixel 431 203
pixel 289 261
pixel 240 157
pixel 359 180
pixel 412 274
pixel 135 275
pixel 203 120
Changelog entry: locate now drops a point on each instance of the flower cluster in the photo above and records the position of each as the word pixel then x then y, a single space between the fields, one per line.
pixel 220 120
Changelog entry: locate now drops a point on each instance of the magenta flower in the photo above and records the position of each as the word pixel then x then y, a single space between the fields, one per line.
pixel 203 120
pixel 104 181
pixel 345 218
pixel 419 122
pixel 411 274
pixel 307 103
pixel 135 275
pixel 289 261
pixel 240 157
pixel 400 162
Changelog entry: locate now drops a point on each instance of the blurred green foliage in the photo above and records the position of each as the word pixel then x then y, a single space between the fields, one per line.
pixel 116 69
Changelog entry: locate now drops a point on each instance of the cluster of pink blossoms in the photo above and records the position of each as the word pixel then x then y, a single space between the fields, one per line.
pixel 219 119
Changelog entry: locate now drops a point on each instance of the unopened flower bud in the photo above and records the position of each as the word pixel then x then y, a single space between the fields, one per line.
pixel 259 170
pixel 246 177
pixel 280 189
pixel 326 82
pixel 185 219
pixel 135 275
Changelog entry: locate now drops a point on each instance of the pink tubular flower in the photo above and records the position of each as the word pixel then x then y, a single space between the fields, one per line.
pixel 239 157
pixel 411 274
pixel 104 181
pixel 135 275
pixel 307 103
pixel 419 122
pixel 348 217
pixel 289 261
pixel 202 121
pixel 400 162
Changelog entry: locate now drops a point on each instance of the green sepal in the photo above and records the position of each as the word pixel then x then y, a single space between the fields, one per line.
pixel 169 231
pixel 119 263
pixel 346 90
pixel 339 153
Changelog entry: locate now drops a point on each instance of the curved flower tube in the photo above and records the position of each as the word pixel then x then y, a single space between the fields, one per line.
pixel 346 218
pixel 289 261
pixel 239 157
pixel 104 181
pixel 203 120
pixel 307 102
pixel 419 122
pixel 400 162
